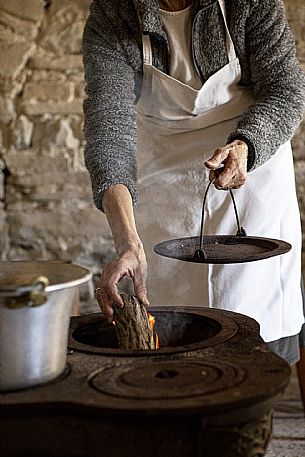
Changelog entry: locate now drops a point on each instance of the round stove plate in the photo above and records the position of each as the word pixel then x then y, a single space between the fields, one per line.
pixel 167 380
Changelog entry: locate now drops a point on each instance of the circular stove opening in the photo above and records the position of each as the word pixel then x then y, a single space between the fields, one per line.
pixel 177 331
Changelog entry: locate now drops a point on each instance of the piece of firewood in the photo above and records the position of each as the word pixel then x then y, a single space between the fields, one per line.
pixel 132 325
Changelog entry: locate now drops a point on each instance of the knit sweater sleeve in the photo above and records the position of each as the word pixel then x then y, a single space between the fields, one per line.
pixel 279 83
pixel 109 109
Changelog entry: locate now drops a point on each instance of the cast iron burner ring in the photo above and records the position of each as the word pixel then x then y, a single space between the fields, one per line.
pixel 167 379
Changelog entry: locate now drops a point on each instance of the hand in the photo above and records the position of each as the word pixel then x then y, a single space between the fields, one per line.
pixel 130 263
pixel 233 157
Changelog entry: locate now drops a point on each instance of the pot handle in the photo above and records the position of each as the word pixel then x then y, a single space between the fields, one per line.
pixel 27 295
pixel 240 230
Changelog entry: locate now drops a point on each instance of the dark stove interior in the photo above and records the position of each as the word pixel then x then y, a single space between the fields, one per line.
pixel 176 331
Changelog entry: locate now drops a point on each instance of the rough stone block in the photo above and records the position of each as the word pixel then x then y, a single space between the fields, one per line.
pixel 300 174
pixel 28 9
pixel 77 127
pixel 50 186
pixel 10 88
pixel 23 132
pixel 55 132
pixel 81 5
pixel 7 110
pixel 62 40
pixel 27 162
pixel 296 16
pixel 44 60
pixel 50 97
pixel 298 142
pixel 63 28
pixel 40 108
pixel 14 58
pixel 5 137
pixel 14 28
pixel 2 194
pixel 57 232
pixel 46 75
pixel 48 91
pixel 84 223
pixel 80 90
pixel 3 234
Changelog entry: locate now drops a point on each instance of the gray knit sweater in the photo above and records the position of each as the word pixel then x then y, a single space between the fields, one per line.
pixel 112 53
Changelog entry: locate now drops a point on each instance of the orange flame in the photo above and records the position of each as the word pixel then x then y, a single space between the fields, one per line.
pixel 151 321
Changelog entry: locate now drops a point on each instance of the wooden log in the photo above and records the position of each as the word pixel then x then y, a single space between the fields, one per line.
pixel 132 325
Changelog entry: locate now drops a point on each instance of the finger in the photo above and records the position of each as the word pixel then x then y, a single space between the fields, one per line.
pixel 213 174
pixel 105 304
pixel 110 281
pixel 139 282
pixel 233 184
pixel 226 176
pixel 217 158
pixel 141 293
pixel 114 295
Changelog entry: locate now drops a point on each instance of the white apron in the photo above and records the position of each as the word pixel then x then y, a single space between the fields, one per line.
pixel 179 128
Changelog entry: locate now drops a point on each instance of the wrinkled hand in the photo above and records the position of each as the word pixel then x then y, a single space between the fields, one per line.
pixel 233 157
pixel 130 263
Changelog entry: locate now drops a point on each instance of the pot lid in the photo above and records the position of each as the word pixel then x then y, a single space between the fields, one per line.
pixel 17 275
pixel 222 249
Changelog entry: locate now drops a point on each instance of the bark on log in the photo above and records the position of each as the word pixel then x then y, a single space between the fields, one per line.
pixel 132 325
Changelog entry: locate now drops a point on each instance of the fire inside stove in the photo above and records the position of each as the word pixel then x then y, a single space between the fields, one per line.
pixel 177 332
pixel 152 322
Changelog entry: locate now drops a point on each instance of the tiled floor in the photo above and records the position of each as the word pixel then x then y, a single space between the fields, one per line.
pixel 288 424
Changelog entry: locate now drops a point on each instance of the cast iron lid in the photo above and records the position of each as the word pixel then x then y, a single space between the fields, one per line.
pixel 20 277
pixel 222 249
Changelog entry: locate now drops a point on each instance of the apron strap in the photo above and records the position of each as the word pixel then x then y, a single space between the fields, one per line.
pixel 147 51
pixel 229 43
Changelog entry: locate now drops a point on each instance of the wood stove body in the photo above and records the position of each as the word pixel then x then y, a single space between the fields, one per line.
pixel 207 392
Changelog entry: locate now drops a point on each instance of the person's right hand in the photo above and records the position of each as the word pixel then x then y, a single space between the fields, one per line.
pixel 130 263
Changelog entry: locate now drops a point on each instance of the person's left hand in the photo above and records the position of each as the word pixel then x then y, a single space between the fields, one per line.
pixel 232 159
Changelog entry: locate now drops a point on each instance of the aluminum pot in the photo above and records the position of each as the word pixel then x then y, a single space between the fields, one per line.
pixel 35 306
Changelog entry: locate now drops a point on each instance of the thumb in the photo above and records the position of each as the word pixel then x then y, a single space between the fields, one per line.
pixel 217 158
pixel 141 292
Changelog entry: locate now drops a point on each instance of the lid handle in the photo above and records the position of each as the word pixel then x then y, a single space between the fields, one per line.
pixel 27 295
pixel 199 253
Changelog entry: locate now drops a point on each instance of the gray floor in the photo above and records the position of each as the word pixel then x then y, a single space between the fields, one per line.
pixel 289 424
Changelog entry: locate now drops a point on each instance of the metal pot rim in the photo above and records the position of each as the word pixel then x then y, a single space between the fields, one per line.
pixel 60 275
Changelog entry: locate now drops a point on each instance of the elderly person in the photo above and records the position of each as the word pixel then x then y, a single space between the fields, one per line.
pixel 180 92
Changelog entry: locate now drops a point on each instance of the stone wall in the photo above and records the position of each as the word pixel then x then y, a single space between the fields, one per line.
pixel 296 17
pixel 45 196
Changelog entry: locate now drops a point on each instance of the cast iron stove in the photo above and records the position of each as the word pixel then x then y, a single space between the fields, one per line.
pixel 207 392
